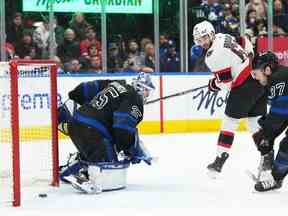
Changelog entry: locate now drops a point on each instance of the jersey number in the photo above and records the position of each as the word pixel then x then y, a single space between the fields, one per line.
pixel 229 43
pixel 278 87
pixel 102 98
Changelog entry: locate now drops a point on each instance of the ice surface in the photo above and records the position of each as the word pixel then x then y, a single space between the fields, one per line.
pixel 177 185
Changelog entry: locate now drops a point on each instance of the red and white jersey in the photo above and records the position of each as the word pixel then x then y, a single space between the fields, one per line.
pixel 246 44
pixel 228 61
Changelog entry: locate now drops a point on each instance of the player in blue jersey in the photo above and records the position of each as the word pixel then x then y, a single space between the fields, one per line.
pixel 274 77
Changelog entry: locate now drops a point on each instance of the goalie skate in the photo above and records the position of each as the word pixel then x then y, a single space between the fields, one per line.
pixel 83 185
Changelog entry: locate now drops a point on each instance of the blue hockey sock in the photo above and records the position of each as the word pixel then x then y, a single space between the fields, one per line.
pixel 280 165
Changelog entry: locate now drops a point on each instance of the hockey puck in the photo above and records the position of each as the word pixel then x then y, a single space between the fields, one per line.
pixel 42 195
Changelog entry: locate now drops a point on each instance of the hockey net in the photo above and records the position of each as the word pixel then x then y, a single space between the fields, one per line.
pixel 28 128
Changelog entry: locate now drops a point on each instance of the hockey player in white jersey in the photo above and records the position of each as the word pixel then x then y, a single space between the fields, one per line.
pixel 231 67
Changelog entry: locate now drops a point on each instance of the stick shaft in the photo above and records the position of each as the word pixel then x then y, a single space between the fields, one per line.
pixel 177 94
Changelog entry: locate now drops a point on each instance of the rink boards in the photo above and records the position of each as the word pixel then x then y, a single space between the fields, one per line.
pixel 199 110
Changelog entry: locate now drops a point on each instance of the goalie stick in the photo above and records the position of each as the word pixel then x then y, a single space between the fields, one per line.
pixel 176 94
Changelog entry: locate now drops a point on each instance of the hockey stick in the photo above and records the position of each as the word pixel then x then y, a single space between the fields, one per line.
pixel 177 94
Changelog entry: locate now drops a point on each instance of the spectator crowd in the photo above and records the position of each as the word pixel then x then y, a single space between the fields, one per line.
pixel 78 48
pixel 224 15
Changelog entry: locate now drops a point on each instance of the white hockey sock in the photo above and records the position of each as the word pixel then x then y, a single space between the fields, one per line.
pixel 221 150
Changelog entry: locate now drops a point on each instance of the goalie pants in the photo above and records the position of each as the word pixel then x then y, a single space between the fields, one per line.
pixel 247 100
pixel 90 143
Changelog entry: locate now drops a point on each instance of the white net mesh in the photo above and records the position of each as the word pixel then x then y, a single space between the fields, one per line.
pixel 35 128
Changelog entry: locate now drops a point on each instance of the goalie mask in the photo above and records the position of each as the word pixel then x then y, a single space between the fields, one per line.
pixel 143 85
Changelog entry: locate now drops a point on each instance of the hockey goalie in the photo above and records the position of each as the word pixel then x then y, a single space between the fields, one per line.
pixel 101 117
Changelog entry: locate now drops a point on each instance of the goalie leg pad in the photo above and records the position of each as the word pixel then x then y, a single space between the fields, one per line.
pixel 109 175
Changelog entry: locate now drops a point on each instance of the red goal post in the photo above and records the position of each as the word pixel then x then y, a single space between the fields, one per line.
pixel 21 69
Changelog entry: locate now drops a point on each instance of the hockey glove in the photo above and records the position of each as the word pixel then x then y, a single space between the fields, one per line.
pixel 130 159
pixel 196 51
pixel 134 160
pixel 261 121
pixel 263 145
pixel 137 158
pixel 212 86
pixel 258 137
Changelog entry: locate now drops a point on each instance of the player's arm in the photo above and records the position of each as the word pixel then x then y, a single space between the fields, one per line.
pixel 219 63
pixel 246 44
pixel 271 128
pixel 125 120
pixel 126 137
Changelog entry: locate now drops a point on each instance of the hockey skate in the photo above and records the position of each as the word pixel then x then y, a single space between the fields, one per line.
pixel 83 185
pixel 274 182
pixel 265 166
pixel 72 167
pixel 268 185
pixel 216 167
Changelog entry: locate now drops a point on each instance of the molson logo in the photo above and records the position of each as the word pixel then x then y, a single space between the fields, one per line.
pixel 209 101
pixel 55 2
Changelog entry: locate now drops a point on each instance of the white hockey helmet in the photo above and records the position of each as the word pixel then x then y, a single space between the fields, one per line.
pixel 202 29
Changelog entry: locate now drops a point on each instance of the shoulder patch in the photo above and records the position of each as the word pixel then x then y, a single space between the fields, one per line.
pixel 209 53
pixel 135 111
pixel 120 88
